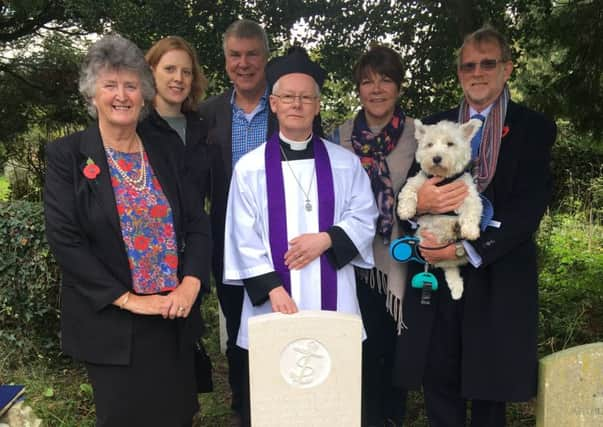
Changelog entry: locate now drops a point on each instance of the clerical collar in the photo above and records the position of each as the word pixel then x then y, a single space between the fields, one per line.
pixel 295 145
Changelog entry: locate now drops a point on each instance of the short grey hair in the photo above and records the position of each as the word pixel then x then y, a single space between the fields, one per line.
pixel 486 34
pixel 246 29
pixel 114 52
pixel 276 86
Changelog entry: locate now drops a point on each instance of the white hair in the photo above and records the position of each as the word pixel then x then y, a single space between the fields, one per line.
pixel 276 86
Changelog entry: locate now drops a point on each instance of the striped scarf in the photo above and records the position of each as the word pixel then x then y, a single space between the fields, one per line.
pixel 491 136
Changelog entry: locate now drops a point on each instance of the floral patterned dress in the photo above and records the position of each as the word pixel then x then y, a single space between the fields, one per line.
pixel 147 224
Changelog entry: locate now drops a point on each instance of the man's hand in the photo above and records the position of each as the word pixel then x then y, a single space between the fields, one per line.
pixel 306 248
pixel 433 256
pixel 437 200
pixel 281 301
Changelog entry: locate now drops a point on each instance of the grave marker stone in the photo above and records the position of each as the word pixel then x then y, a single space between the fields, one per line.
pixel 305 369
pixel 570 389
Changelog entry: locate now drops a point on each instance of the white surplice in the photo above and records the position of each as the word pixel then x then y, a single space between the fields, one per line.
pixel 246 241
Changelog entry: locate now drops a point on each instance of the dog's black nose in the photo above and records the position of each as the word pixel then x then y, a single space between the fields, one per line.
pixel 437 160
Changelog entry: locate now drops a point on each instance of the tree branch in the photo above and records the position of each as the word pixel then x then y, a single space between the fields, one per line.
pixel 22 79
pixel 18 28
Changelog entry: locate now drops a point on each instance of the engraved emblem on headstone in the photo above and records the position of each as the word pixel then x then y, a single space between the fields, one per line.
pixel 305 363
pixel 304 369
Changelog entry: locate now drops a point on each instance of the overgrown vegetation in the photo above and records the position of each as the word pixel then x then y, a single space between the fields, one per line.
pixel 29 277
pixel 4 188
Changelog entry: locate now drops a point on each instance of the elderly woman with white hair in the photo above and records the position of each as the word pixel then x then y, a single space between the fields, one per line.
pixel 133 252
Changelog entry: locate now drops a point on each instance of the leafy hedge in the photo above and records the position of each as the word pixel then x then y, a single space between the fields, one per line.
pixel 29 278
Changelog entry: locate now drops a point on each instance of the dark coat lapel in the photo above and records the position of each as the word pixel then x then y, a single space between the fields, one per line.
pixel 91 146
pixel 158 160
pixel 224 126
pixel 509 154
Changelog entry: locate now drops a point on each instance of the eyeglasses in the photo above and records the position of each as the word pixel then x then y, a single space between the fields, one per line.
pixel 290 99
pixel 484 64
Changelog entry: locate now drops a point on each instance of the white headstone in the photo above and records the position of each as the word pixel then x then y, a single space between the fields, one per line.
pixel 305 369
pixel 570 389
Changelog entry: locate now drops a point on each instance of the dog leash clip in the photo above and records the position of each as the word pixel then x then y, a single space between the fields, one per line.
pixel 427 282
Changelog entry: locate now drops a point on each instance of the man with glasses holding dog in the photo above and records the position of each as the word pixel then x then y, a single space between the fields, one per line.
pixel 483 347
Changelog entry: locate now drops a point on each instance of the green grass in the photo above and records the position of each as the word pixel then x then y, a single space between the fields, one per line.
pixel 58 391
pixel 4 189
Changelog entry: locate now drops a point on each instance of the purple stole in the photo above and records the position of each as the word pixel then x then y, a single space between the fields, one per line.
pixel 277 215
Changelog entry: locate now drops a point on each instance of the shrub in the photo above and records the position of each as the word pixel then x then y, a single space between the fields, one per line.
pixel 29 280
pixel 577 166
pixel 571 291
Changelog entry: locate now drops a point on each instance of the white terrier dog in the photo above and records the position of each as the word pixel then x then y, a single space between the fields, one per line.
pixel 444 150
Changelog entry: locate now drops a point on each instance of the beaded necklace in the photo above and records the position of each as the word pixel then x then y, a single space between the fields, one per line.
pixel 137 183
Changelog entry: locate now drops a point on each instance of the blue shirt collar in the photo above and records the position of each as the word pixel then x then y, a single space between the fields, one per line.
pixel 261 104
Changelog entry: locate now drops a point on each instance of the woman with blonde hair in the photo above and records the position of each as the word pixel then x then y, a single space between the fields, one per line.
pixel 180 85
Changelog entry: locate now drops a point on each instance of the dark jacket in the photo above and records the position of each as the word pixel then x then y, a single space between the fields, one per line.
pixel 498 338
pixel 83 230
pixel 217 113
pixel 194 151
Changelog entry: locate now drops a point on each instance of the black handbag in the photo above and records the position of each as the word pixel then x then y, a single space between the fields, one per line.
pixel 203 369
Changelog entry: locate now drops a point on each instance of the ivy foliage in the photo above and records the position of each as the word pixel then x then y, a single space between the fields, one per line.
pixel 29 277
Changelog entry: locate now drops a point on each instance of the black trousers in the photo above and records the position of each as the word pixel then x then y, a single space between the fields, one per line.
pixel 231 303
pixel 381 401
pixel 442 384
pixel 246 395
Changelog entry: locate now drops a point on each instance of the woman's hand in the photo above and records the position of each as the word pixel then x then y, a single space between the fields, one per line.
pixel 436 200
pixel 146 304
pixel 183 297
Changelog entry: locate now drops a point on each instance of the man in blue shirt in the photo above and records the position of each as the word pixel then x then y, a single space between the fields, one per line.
pixel 238 121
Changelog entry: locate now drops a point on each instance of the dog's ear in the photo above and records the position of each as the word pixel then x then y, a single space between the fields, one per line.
pixel 470 128
pixel 419 129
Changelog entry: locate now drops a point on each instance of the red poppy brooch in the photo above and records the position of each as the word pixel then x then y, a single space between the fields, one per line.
pixel 505 131
pixel 91 170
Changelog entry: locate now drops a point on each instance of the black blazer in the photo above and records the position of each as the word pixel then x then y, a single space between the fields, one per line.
pixel 499 359
pixel 83 230
pixel 194 150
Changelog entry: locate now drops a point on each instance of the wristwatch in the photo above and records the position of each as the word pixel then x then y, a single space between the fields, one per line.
pixel 459 250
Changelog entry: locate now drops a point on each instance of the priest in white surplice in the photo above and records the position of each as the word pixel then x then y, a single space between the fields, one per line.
pixel 301 211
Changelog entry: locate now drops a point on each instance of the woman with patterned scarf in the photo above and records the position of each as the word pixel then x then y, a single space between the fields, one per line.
pixel 383 137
